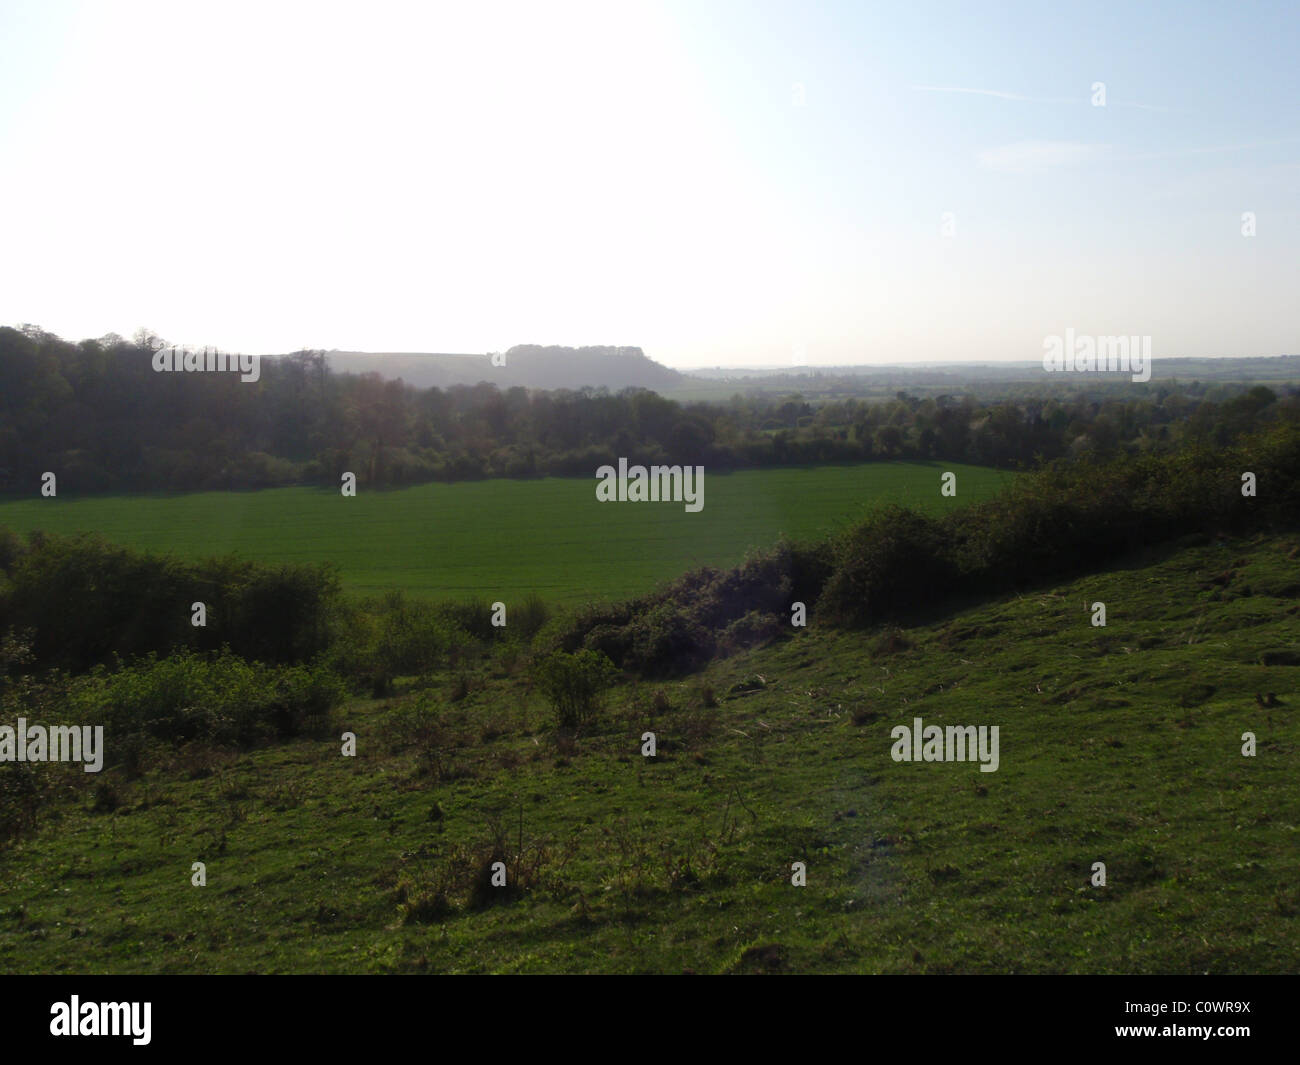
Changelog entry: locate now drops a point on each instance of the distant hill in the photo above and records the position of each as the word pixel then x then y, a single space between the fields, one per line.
pixel 1184 368
pixel 526 365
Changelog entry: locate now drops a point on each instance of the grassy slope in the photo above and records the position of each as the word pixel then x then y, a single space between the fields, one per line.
pixel 503 539
pixel 1119 744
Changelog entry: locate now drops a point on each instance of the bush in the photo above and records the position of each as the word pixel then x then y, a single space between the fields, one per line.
pixel 415 638
pixel 374 641
pixel 12 548
pixel 24 789
pixel 675 630
pixel 753 630
pixel 474 616
pixel 305 695
pixel 891 562
pixel 217 699
pixel 420 726
pixel 668 641
pixel 87 601
pixel 574 684
pixel 527 620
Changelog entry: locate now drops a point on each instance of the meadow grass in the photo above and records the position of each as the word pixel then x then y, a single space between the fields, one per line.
pixel 1119 744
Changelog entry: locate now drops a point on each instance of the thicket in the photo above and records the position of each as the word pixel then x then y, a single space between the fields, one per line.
pixel 96 633
pixel 87 602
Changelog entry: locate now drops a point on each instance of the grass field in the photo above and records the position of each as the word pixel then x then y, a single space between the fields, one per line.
pixel 504 539
pixel 1119 745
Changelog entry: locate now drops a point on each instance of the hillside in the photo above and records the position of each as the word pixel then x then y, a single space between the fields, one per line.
pixel 1226 368
pixel 1119 744
pixel 526 365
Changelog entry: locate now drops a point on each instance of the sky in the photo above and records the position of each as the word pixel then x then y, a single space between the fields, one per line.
pixel 716 183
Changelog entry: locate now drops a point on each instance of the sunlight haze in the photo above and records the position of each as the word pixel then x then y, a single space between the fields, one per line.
pixel 715 183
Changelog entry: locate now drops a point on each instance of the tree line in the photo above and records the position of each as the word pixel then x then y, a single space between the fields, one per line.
pixel 100 416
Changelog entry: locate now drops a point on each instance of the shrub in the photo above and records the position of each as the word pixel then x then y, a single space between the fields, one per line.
pixel 218 699
pixel 528 618
pixel 675 630
pixel 891 641
pixel 86 601
pixel 753 630
pixel 12 548
pixel 305 695
pixel 891 562
pixel 24 789
pixel 415 638
pixel 574 684
pixel 474 616
pixel 378 639
pixel 667 640
pixel 613 641
pixel 420 726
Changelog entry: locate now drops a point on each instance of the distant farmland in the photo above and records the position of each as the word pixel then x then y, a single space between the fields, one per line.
pixel 501 539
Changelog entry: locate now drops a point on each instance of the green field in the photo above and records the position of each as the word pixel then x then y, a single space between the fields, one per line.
pixel 1119 745
pixel 504 539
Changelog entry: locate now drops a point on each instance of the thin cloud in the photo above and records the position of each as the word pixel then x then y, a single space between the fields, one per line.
pixel 1083 98
pixel 1025 157
pixel 999 94
pixel 1213 150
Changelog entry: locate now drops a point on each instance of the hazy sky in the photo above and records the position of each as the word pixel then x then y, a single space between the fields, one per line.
pixel 717 183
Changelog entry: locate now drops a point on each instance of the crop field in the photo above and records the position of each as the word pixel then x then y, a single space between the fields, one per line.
pixel 505 538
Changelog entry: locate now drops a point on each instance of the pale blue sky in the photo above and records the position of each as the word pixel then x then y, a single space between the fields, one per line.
pixel 718 183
